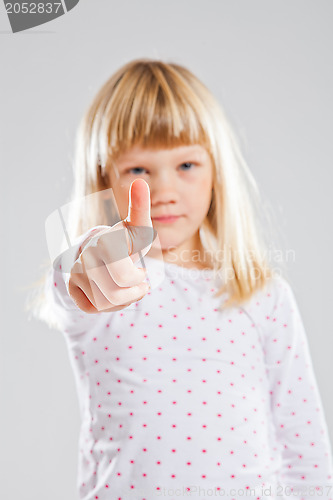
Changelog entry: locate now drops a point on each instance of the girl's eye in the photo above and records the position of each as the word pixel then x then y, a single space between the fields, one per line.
pixel 187 163
pixel 134 168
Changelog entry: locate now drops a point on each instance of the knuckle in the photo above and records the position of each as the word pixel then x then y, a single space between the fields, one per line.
pixel 90 309
pixel 122 279
pixel 122 297
pixel 115 299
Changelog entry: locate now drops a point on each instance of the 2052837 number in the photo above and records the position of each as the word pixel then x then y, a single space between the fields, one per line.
pixel 32 7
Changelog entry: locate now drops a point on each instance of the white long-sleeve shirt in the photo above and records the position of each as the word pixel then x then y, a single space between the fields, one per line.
pixel 180 399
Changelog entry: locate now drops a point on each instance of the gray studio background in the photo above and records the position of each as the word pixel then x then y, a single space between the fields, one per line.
pixel 268 63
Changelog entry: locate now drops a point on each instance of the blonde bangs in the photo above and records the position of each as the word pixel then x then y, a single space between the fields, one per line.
pixel 152 108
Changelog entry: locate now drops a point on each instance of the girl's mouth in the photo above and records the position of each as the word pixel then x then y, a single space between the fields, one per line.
pixel 167 219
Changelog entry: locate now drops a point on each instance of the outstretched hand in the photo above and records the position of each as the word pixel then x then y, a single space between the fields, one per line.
pixel 104 277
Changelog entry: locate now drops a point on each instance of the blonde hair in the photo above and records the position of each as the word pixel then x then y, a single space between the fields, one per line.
pixel 158 104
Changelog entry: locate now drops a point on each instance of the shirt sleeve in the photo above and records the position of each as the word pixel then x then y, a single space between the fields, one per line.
pixel 66 315
pixel 296 405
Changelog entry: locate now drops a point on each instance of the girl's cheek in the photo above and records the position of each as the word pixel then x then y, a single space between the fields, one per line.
pixel 121 198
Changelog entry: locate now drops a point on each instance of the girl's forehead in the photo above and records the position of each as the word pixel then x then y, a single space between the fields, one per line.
pixel 144 152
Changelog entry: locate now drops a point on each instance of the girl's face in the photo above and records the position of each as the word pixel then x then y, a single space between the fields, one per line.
pixel 180 181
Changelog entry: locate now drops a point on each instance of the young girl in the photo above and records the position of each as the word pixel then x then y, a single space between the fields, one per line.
pixel 202 385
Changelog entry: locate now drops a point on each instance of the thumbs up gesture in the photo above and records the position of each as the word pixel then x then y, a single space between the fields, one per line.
pixel 104 277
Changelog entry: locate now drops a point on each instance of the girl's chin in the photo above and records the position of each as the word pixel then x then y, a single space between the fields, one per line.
pixel 158 248
pixel 166 246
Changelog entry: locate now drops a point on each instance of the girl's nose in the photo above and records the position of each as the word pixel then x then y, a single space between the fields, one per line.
pixel 164 189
